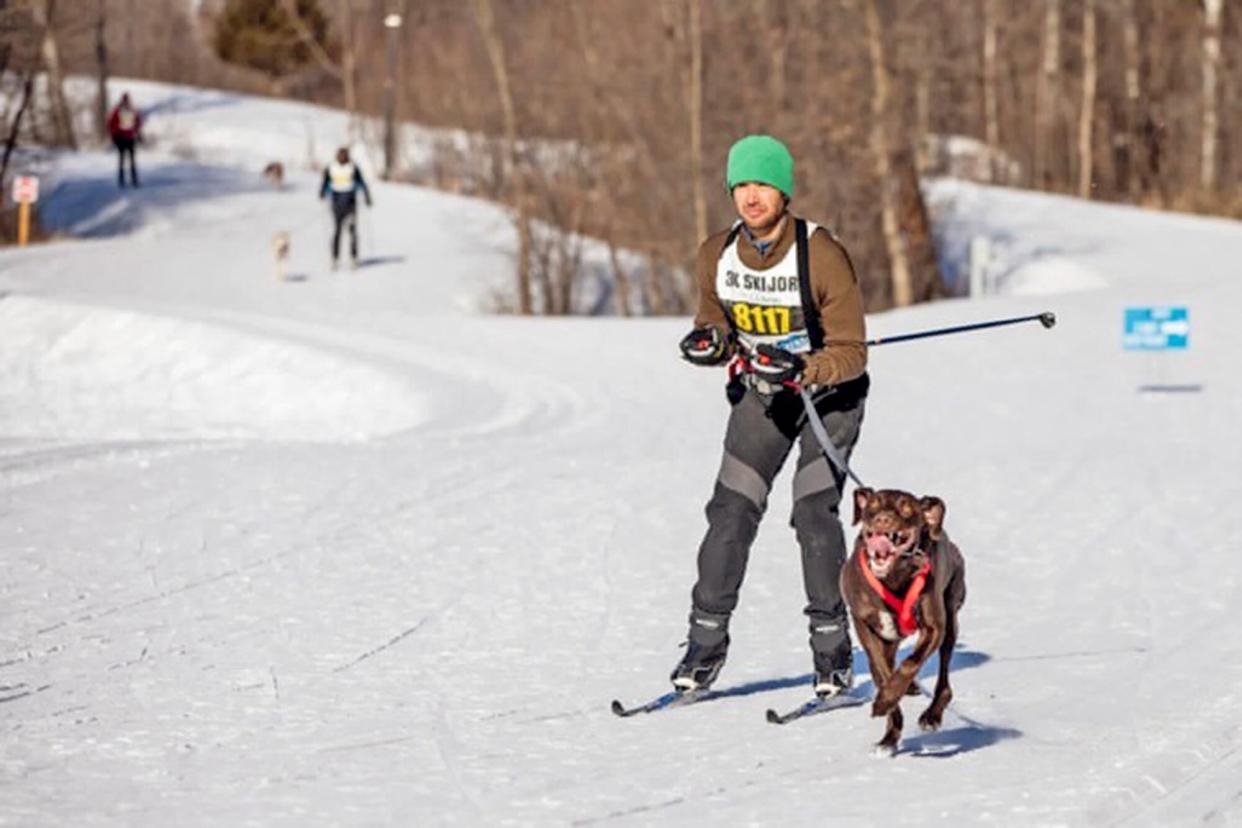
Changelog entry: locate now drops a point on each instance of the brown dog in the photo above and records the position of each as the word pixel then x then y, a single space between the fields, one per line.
pixel 905 576
pixel 274 172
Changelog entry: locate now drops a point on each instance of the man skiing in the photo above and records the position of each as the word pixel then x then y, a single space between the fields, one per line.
pixel 342 179
pixel 777 295
pixel 125 128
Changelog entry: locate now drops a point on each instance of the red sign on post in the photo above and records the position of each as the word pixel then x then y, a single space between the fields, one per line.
pixel 25 189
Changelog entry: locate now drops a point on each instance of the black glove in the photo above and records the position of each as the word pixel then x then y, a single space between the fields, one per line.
pixel 776 365
pixel 704 346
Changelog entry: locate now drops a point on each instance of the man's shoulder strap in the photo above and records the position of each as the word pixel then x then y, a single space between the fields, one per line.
pixel 810 311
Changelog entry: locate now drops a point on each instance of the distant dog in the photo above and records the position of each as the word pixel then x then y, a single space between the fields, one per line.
pixel 274 172
pixel 904 577
pixel 281 244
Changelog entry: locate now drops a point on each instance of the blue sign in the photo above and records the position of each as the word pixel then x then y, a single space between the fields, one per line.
pixel 1156 329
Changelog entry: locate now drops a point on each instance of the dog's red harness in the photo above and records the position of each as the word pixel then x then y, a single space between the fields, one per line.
pixel 904 607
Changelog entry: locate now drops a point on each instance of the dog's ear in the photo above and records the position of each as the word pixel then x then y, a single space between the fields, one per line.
pixel 933 514
pixel 861 495
pixel 907 506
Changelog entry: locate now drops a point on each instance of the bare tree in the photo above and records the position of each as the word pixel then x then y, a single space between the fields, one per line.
pixel 695 94
pixel 1130 40
pixel 1211 64
pixel 349 61
pixel 991 120
pixel 899 268
pixel 1086 112
pixel 101 71
pixel 1045 95
pixel 922 96
pixel 10 142
pixel 486 20
pixel 44 12
pixel 777 46
pixel 346 70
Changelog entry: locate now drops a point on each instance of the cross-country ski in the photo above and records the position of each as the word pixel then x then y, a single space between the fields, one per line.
pixel 670 700
pixel 815 706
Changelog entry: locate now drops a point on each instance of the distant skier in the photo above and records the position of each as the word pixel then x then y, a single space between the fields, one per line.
pixel 780 295
pixel 125 128
pixel 343 180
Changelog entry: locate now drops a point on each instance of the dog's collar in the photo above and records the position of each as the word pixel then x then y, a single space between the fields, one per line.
pixel 904 606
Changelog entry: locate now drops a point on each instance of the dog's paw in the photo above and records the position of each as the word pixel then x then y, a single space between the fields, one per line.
pixel 883 751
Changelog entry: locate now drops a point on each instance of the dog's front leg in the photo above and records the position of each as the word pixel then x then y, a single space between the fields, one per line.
pixel 880 654
pixel 892 691
pixel 932 716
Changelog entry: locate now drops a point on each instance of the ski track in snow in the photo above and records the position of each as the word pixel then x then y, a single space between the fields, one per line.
pixel 412 602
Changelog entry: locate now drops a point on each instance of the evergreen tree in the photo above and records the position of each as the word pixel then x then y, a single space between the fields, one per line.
pixel 261 34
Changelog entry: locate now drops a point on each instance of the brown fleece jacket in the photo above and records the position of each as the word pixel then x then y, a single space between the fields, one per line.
pixel 837 295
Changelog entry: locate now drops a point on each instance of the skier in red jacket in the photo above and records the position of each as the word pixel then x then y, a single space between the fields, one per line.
pixel 125 127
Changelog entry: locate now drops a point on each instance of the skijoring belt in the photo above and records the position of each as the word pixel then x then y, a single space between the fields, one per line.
pixel 785 407
pixel 840 397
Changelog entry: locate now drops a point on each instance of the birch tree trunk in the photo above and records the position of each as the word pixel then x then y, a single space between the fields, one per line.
pixel 621 278
pixel 1045 97
pixel 903 291
pixel 991 121
pixel 696 119
pixel 1211 64
pixel 43 12
pixel 486 21
pixel 1086 114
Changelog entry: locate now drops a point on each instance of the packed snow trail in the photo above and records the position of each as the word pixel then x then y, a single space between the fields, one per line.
pixel 383 559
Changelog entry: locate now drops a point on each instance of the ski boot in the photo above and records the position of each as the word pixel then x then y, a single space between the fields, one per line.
pixel 706 651
pixel 833 682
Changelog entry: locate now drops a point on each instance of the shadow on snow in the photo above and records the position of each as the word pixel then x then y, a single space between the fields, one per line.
pixel 93 206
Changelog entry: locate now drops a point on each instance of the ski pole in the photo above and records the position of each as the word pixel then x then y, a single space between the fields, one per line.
pixel 1047 319
pixel 368 239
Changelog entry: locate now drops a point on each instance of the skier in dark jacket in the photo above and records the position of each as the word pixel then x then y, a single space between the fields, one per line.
pixel 343 180
pixel 780 295
pixel 125 129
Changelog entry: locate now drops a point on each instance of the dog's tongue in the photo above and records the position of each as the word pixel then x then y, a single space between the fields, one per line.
pixel 880 547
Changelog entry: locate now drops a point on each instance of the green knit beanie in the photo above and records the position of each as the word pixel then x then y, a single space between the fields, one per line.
pixel 760 158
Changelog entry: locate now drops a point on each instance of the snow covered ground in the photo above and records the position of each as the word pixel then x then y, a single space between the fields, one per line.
pixel 343 550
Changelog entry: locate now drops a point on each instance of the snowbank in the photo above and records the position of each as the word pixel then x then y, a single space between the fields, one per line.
pixel 88 373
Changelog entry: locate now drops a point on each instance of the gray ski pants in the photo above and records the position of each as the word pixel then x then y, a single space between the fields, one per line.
pixel 754 451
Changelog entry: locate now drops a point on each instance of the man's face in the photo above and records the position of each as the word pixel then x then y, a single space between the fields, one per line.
pixel 758 205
